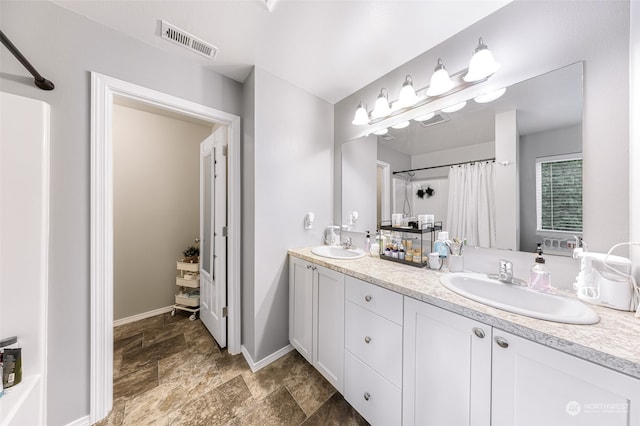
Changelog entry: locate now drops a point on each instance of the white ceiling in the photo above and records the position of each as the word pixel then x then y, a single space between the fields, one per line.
pixel 330 48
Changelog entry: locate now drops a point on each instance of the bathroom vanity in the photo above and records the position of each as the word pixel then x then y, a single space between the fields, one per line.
pixel 403 349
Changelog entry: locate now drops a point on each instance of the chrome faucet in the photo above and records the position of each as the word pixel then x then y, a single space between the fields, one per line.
pixel 506 271
pixel 505 274
pixel 347 243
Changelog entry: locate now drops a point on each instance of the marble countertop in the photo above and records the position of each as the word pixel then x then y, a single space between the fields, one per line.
pixel 614 342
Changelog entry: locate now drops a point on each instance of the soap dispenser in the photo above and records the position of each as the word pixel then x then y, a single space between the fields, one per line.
pixel 539 275
pixel 367 244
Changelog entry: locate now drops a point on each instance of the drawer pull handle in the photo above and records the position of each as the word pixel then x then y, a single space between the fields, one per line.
pixel 367 339
pixel 478 332
pixel 368 298
pixel 502 342
pixel 367 396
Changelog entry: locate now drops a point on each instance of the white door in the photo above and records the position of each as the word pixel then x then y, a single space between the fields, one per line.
pixel 213 240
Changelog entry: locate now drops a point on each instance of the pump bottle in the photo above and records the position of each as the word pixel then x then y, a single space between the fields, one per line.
pixel 539 274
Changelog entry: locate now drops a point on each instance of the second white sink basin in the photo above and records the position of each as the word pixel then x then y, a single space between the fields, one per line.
pixel 519 300
pixel 337 252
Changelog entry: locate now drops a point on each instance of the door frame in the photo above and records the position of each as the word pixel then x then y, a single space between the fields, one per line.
pixel 103 90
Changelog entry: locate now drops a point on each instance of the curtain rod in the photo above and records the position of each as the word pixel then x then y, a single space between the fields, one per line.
pixel 444 165
pixel 39 80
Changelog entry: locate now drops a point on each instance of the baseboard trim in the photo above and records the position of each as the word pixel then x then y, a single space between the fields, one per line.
pixel 255 366
pixel 143 315
pixel 83 421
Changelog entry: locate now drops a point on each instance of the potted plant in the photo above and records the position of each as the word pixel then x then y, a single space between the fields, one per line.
pixel 191 253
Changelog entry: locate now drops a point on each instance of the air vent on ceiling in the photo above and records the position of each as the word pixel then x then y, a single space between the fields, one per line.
pixel 440 117
pixel 188 41
pixel 387 137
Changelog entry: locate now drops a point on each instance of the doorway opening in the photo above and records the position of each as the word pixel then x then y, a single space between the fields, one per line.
pixel 104 90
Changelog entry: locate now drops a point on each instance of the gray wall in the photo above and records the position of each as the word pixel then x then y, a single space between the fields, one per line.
pixel 567 140
pixel 65 47
pixel 156 205
pixel 530 38
pixel 292 152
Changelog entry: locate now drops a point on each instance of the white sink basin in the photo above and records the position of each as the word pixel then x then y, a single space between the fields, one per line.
pixel 519 300
pixel 337 252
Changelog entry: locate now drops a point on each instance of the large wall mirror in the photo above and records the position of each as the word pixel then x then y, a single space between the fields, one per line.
pixel 407 170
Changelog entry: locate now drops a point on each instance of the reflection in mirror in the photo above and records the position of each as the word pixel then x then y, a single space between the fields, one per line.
pixel 537 123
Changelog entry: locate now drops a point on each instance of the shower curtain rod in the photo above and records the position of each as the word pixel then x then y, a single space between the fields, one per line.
pixel 444 165
pixel 39 80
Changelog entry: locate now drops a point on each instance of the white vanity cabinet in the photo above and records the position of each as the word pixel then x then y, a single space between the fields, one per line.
pixel 535 385
pixel 458 371
pixel 316 317
pixel 373 351
pixel 447 368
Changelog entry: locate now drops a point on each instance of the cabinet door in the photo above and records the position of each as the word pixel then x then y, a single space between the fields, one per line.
pixel 446 369
pixel 535 385
pixel 328 349
pixel 301 307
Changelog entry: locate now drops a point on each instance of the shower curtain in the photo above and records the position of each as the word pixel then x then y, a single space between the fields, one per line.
pixel 471 205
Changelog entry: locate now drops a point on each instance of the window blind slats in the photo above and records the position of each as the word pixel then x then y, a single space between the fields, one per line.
pixel 559 195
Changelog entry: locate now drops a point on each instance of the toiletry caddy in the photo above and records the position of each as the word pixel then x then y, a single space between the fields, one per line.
pixel 421 242
pixel 188 298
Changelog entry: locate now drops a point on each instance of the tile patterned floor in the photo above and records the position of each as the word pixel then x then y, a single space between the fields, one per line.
pixel 170 371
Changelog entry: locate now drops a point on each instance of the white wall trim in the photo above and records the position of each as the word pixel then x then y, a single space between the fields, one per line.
pixel 144 315
pixel 83 421
pixel 255 366
pixel 103 90
pixel 385 190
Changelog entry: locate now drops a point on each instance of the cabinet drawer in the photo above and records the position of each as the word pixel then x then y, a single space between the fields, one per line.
pixel 386 303
pixel 376 341
pixel 376 399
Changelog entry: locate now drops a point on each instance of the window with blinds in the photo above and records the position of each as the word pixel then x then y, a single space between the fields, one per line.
pixel 559 193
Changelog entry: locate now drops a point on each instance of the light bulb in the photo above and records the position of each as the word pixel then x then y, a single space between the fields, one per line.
pixel 381 108
pixel 482 64
pixel 401 125
pixel 361 117
pixel 425 117
pixel 408 95
pixel 440 81
pixel 490 96
pixel 455 107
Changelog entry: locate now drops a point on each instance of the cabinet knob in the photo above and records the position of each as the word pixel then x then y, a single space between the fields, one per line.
pixel 309 266
pixel 366 396
pixel 367 339
pixel 478 332
pixel 502 342
pixel 368 298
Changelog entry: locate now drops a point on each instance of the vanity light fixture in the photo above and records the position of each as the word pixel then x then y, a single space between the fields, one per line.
pixel 408 95
pixel 440 81
pixel 481 67
pixel 425 117
pixel 482 64
pixel 381 132
pixel 490 96
pixel 401 125
pixel 382 105
pixel 362 116
pixel 455 107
